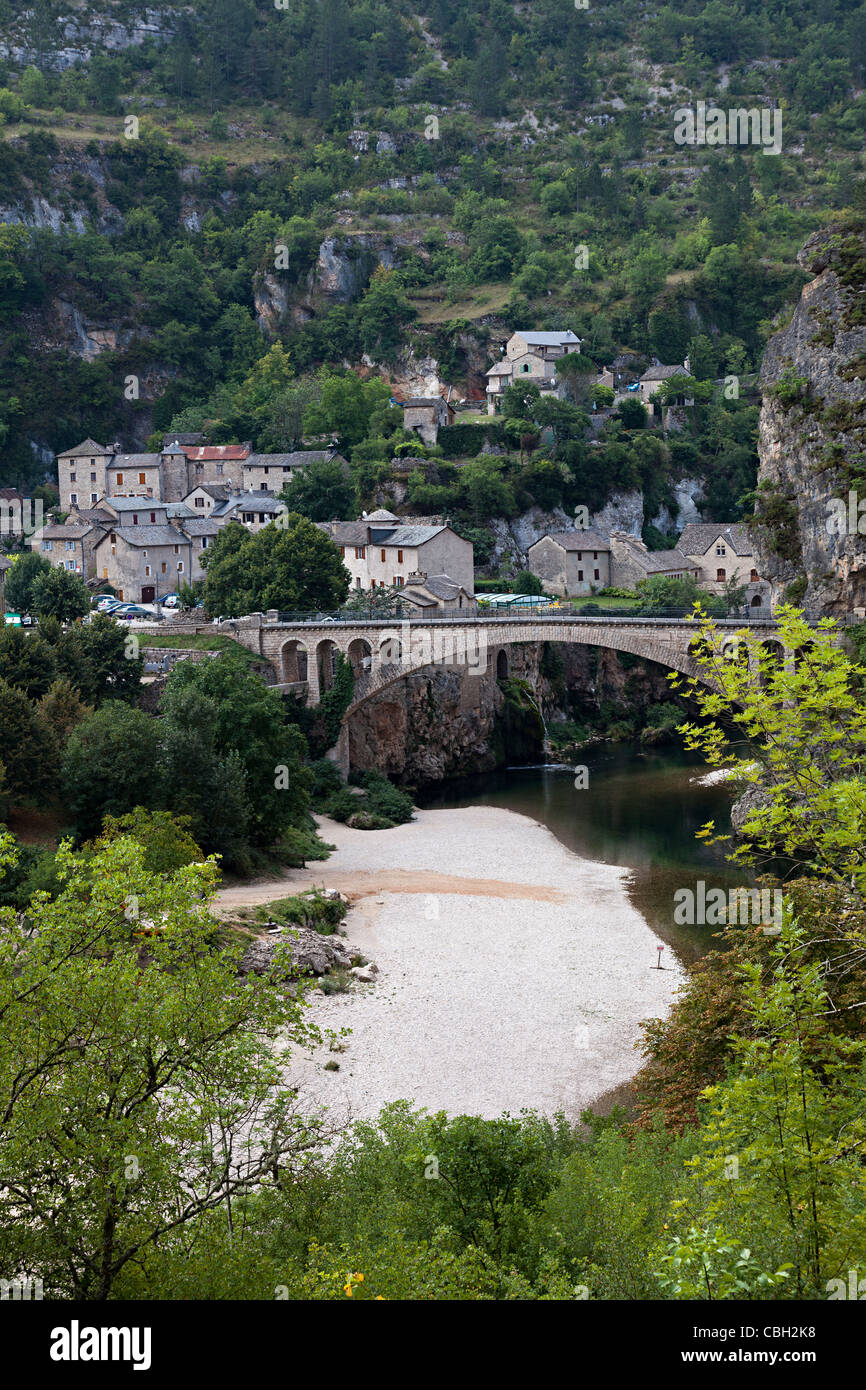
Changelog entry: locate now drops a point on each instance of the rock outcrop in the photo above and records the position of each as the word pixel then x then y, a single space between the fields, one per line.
pixel 447 722
pixel 309 951
pixel 812 434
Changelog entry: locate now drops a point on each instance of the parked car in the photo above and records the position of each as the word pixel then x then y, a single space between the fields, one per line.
pixel 104 603
pixel 170 601
pixel 130 610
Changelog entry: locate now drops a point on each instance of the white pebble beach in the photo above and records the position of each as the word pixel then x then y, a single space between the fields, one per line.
pixel 512 973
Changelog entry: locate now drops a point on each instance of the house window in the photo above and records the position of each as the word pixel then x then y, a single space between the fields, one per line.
pixel 527 367
pixel 343 551
pixel 176 550
pixel 69 545
pixel 720 549
pixel 142 477
pixel 264 470
pixel 153 516
pixel 595 557
pixel 596 574
pixel 135 518
pixel 753 577
pixel 93 496
pixel 73 496
pixel 93 463
pixel 204 542
pixel 180 566
pixel 70 564
pixel 147 571
pixel 105 571
pixel 46 545
pixel 357 581
pixel 360 552
pixel 263 487
pixel 163 567
pixel 112 538
pixel 720 576
pixel 119 479
pixel 580 576
pixel 580 555
pixel 398 581
pixel 219 469
pixel 93 477
pixel 382 554
pixel 399 557
pixel 72 477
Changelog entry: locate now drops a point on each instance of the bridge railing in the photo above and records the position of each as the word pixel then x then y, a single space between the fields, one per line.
pixel 535 612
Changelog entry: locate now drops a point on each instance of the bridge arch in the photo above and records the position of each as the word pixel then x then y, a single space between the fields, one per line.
pixel 294 661
pixel 491 653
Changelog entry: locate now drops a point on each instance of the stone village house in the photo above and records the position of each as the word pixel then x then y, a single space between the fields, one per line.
pixel 380 550
pixel 426 415
pixel 572 563
pixel 531 357
pixel 724 553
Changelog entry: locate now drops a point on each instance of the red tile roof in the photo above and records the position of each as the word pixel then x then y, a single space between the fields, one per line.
pixel 209 452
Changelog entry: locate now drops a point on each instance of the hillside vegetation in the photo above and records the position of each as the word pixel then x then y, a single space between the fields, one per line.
pixel 366 188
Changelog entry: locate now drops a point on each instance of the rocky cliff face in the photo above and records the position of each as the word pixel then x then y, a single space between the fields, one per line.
pixel 812 434
pixel 447 722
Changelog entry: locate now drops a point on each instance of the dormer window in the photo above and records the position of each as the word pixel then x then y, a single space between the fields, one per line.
pixel 720 549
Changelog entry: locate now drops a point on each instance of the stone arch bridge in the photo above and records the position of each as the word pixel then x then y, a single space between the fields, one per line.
pixel 382 652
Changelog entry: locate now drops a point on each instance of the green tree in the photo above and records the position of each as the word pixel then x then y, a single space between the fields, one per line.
pixel 249 723
pixel 790 1116
pixel 25 570
pixel 29 751
pixel 323 491
pixel 110 766
pixel 207 786
pixel 382 314
pixel 60 594
pixel 167 843
pixel 288 565
pixel 146 1082
pixel 33 87
pixel 797 731
pixel 26 661
pixel 102 659
pixel 527 583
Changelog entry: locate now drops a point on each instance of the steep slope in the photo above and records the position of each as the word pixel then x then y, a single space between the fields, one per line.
pixel 812 433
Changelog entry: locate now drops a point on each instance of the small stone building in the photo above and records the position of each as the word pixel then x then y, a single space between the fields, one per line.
pixel 426 415
pixel 571 562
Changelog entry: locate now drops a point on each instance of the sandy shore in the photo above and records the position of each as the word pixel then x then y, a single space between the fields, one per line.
pixel 512 974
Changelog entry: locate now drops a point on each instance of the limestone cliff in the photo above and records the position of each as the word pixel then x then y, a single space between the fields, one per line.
pixel 447 722
pixel 812 433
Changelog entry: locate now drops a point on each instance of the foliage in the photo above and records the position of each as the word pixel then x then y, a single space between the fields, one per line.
pixel 150 1101
pixel 288 565
pixel 18 589
pixel 60 594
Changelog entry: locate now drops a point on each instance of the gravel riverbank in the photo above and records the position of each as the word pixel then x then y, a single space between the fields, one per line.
pixel 512 973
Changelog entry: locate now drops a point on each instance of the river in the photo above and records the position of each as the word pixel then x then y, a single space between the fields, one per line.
pixel 640 809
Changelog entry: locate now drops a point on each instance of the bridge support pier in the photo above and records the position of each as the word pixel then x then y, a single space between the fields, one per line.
pixel 339 754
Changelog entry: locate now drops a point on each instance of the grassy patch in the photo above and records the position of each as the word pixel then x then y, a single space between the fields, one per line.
pixel 199 642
